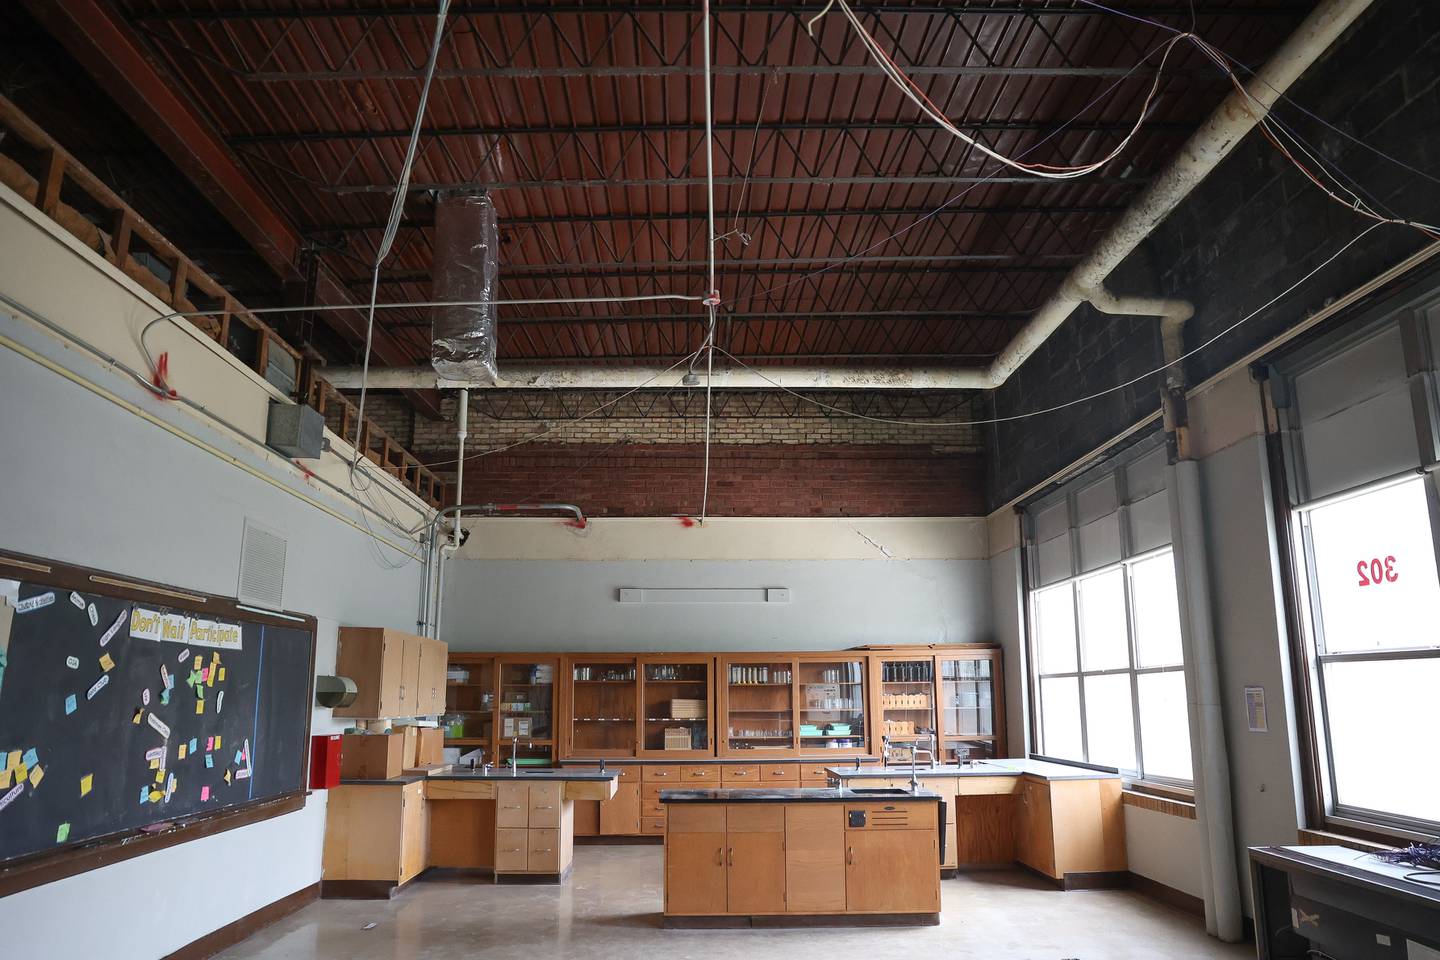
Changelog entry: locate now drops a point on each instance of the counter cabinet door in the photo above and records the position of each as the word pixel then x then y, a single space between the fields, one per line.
pixel 815 858
pixel 695 874
pixel 512 805
pixel 620 815
pixel 755 864
pixel 1035 842
pixel 892 871
pixel 415 832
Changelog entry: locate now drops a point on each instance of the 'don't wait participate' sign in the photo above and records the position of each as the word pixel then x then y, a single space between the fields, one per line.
pixel 179 628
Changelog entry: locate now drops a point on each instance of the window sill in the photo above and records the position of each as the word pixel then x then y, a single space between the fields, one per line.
pixel 1183 809
pixel 1361 835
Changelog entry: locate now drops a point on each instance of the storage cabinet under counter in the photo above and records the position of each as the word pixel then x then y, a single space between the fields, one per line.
pixel 770 857
pixel 381 834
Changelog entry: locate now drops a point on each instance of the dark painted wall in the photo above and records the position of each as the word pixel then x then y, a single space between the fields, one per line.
pixel 1254 227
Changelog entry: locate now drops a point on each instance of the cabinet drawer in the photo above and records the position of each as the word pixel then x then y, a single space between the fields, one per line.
pixel 459 790
pixel 652 807
pixel 814 771
pixel 544 805
pixel 755 818
pixel 661 774
pixel 512 850
pixel 653 825
pixel 780 772
pixel 696 817
pixel 709 773
pixel 987 786
pixel 732 773
pixel 544 851
pixel 512 805
pixel 627 774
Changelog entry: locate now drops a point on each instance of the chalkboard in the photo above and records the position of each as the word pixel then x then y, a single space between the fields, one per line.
pixel 118 714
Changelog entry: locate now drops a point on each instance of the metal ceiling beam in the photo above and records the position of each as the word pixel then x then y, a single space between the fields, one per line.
pixel 957 8
pixel 930 180
pixel 685 70
pixel 862 316
pixel 544 376
pixel 428 221
pixel 699 268
pixel 682 127
pixel 94 34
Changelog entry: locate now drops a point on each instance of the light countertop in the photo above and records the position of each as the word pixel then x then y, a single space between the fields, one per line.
pixel 1012 767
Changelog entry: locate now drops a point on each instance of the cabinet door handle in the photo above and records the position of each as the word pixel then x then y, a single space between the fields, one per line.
pixel 850 855
pixel 546 850
pixel 732 856
pixel 543 808
pixel 511 850
pixel 719 857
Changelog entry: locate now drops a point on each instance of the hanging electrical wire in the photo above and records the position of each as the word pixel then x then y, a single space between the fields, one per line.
pixel 913 92
pixel 392 225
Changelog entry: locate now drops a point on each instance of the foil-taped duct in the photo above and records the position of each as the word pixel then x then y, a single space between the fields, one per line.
pixel 467 268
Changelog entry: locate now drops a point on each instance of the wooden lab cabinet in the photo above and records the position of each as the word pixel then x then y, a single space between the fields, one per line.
pixel 758 859
pixel 396 674
pixel 1070 826
pixel 375 833
pixel 620 815
pixel 815 857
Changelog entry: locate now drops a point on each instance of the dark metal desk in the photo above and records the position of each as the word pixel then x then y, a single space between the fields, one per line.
pixel 1336 902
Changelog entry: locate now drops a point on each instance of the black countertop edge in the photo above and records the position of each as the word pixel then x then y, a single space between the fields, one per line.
pixel 790 795
pixel 701 761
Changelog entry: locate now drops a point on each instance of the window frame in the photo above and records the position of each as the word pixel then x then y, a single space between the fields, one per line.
pixel 1136 776
pixel 1348 817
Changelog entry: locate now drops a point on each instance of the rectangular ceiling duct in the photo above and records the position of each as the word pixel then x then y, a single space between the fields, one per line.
pixel 467 268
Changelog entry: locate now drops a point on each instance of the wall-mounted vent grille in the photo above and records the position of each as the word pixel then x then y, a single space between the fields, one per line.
pixel 262 567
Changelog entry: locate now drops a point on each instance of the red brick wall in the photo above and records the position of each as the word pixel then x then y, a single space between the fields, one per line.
pixel 762 480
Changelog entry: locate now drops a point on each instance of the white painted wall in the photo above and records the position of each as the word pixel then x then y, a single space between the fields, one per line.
pixel 1164 848
pixel 89 482
pixel 535 584
pixel 573 604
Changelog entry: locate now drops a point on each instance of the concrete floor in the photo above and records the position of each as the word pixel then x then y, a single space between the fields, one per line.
pixel 610 911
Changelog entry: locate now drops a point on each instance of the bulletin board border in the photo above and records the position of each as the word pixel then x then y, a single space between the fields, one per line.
pixel 24 873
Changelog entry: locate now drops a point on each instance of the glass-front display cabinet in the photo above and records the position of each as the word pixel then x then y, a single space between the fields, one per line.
pixel 971 705
pixel 757 702
pixel 469 719
pixel 905 695
pixel 525 709
pixel 831 704
pixel 676 706
pixel 602 701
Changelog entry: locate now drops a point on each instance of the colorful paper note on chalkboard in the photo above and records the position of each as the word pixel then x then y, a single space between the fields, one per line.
pixel 70 704
pixel 87 783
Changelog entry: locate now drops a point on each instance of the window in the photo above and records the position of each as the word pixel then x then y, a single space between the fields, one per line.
pixel 1370 579
pixel 1355 424
pixel 1111 677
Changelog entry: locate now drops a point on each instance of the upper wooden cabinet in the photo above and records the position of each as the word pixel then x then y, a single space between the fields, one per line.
pixel 677 706
pixel 396 674
pixel 951 698
pixel 602 697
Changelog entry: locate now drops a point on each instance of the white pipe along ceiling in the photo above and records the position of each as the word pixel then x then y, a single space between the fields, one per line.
pixel 1200 155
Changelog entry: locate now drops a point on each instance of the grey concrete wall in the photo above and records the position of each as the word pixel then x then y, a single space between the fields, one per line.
pixel 573 604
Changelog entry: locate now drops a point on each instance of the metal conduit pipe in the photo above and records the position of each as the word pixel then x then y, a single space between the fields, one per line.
pixel 429 620
pixel 1201 154
pixel 1213 799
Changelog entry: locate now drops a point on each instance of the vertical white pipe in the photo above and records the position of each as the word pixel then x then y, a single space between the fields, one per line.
pixel 463 431
pixel 1213 812
pixel 709 149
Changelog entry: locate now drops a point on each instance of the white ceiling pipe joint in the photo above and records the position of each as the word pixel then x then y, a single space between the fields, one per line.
pixel 1173 316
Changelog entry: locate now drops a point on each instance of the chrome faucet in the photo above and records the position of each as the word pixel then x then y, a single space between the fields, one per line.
pixel 515 753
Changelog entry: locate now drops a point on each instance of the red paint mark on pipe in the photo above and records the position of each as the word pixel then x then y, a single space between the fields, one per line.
pixel 161 375
pixel 687 521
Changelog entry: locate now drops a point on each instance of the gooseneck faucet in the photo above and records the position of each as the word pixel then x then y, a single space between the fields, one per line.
pixel 515 753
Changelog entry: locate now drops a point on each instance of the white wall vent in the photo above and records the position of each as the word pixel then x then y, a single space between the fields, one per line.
pixel 262 567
